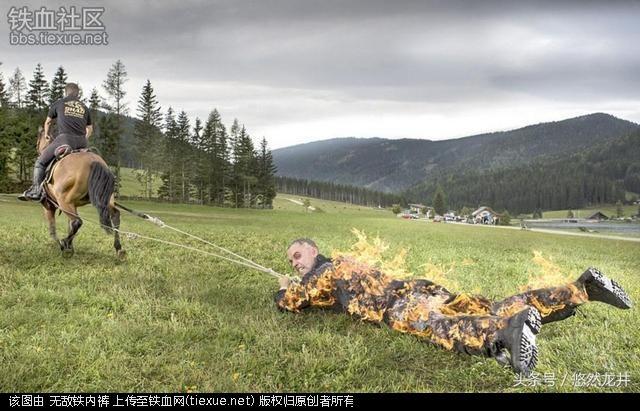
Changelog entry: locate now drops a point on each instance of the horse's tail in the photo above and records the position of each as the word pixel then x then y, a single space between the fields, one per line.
pixel 101 186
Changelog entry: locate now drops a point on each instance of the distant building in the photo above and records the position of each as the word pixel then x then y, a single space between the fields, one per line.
pixel 598 216
pixel 449 216
pixel 485 215
pixel 416 208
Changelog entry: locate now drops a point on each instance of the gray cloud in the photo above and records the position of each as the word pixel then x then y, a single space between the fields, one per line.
pixel 275 62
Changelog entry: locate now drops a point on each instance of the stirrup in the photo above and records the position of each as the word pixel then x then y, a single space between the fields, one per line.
pixel 31 195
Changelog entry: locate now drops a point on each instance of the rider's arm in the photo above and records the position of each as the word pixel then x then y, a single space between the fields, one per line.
pixel 89 121
pixel 47 124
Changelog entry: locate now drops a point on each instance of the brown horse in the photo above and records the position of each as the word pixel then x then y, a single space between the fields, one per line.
pixel 79 179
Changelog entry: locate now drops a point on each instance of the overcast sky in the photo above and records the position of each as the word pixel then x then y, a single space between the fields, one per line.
pixel 295 71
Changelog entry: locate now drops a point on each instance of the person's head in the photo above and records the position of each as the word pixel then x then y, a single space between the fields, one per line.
pixel 71 90
pixel 302 255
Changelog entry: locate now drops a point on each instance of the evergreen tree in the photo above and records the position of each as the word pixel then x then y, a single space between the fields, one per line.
pixel 58 82
pixel 4 98
pixel 505 219
pixel 537 214
pixel 223 167
pixel 244 170
pixel 24 130
pixel 38 94
pixel 183 156
pixel 106 140
pixel 114 86
pixel 439 202
pixel 17 88
pixel 619 209
pixel 5 141
pixel 234 138
pixel 94 105
pixel 169 187
pixel 215 161
pixel 266 173
pixel 147 136
pixel 198 165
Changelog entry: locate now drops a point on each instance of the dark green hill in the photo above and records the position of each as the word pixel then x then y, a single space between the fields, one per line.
pixel 396 165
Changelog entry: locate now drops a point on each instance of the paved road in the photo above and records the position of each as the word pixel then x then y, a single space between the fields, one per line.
pixel 539 230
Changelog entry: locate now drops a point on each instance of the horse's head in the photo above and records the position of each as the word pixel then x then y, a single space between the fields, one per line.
pixel 43 141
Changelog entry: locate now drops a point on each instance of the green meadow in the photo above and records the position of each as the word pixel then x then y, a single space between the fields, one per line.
pixel 171 319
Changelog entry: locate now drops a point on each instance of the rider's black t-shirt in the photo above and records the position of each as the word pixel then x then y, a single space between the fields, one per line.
pixel 72 115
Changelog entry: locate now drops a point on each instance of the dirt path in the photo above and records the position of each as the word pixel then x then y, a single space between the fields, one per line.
pixel 312 208
pixel 538 230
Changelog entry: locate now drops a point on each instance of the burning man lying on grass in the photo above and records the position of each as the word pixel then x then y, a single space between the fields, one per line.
pixel 504 330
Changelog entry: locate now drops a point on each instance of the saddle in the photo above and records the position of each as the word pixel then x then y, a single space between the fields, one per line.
pixel 60 153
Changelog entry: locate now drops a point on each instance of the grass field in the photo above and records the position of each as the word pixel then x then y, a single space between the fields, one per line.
pixel 170 319
pixel 131 185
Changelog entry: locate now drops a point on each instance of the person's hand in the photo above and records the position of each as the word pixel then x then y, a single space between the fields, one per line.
pixel 284 282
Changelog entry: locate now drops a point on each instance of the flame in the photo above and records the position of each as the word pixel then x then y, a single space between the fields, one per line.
pixel 439 274
pixel 467 304
pixel 371 253
pixel 547 275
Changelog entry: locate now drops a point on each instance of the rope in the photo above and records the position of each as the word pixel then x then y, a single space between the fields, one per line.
pixel 162 224
pixel 157 221
pixel 246 260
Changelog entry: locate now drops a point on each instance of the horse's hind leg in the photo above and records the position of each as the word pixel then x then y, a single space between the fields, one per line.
pixel 66 244
pixel 115 222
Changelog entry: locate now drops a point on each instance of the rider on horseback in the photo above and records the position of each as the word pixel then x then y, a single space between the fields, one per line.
pixel 74 129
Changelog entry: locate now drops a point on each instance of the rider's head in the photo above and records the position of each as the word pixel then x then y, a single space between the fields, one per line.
pixel 71 90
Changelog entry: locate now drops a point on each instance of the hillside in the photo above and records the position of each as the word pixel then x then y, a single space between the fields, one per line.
pixel 601 174
pixel 395 165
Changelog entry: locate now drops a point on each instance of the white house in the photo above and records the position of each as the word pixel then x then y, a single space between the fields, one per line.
pixel 485 215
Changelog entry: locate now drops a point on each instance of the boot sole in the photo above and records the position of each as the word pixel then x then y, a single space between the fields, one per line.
pixel 615 294
pixel 534 320
pixel 524 355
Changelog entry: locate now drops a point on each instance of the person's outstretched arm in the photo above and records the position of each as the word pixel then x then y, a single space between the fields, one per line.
pixel 292 296
pixel 314 291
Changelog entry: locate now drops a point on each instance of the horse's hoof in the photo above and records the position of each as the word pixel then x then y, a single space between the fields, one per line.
pixel 121 254
pixel 67 252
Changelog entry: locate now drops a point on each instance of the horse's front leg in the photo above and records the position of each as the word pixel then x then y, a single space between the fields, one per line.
pixel 66 244
pixel 50 215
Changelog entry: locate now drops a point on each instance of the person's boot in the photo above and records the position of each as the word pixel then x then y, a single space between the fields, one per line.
pixel 601 288
pixel 519 339
pixel 35 191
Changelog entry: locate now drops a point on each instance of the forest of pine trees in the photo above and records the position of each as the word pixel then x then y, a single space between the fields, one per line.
pixel 337 192
pixel 600 175
pixel 203 163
